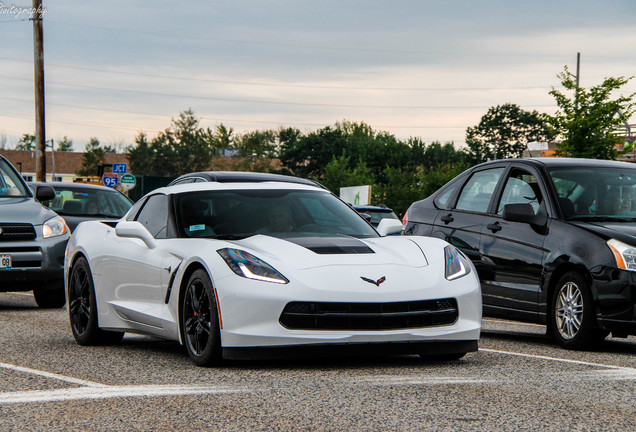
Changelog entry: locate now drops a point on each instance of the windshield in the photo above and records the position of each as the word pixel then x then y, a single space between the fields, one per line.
pixel 10 184
pixel 79 201
pixel 281 213
pixel 596 193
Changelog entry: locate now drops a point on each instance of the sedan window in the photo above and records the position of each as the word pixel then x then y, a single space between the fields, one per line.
pixel 478 190
pixel 521 188
pixel 596 193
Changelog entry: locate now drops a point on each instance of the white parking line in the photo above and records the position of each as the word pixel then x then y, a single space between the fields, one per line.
pixel 420 380
pixel 110 392
pixel 512 323
pixel 562 360
pixel 51 375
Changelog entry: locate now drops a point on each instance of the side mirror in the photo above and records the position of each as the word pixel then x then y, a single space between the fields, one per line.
pixel 525 213
pixel 389 226
pixel 44 193
pixel 133 229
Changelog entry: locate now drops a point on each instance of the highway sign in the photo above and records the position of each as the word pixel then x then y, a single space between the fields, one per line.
pixel 120 168
pixel 128 181
pixel 110 179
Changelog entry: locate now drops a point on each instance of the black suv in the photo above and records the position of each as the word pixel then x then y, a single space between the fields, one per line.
pixel 32 240
pixel 553 241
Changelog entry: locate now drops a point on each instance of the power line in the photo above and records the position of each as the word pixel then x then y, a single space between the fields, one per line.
pixel 374 50
pixel 217 119
pixel 256 101
pixel 270 84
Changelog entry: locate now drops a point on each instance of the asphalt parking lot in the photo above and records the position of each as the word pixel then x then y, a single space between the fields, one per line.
pixel 519 380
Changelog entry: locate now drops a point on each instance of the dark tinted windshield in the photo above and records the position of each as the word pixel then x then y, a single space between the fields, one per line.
pixel 79 201
pixel 280 213
pixel 596 193
pixel 10 184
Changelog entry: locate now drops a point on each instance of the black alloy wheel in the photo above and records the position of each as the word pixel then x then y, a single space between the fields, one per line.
pixel 200 322
pixel 572 316
pixel 83 308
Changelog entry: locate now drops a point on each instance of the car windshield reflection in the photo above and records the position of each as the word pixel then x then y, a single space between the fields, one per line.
pixel 596 194
pixel 241 213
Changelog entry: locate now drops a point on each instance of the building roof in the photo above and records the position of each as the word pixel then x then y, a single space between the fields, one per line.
pixel 65 162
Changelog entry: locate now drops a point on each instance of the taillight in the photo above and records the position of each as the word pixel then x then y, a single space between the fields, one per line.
pixel 405 219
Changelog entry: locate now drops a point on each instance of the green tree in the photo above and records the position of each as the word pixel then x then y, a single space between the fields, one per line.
pixel 65 145
pixel 27 142
pixel 587 120
pixel 91 158
pixel 504 132
pixel 223 137
pixel 181 148
pixel 338 173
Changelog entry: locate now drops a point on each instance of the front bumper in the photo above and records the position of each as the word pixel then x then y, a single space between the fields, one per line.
pixel 615 295
pixel 35 263
pixel 251 310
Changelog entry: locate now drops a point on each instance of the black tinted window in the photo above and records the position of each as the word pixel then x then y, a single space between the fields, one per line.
pixel 442 200
pixel 478 190
pixel 521 188
pixel 154 215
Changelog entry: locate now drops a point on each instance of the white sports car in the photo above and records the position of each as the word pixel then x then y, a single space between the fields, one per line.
pixel 254 266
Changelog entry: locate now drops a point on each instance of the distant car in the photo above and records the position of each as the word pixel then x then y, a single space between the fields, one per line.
pixel 78 202
pixel 377 213
pixel 238 177
pixel 32 240
pixel 267 268
pixel 553 241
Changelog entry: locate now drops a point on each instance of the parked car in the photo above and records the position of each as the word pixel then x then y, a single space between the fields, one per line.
pixel 553 241
pixel 376 213
pixel 241 269
pixel 78 202
pixel 32 240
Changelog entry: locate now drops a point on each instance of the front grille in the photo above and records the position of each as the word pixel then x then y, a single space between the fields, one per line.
pixel 17 232
pixel 369 316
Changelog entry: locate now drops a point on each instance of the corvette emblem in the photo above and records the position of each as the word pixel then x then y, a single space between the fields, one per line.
pixel 374 282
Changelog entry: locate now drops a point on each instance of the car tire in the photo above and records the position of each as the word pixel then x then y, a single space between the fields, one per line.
pixel 82 308
pixel 572 315
pixel 200 321
pixel 50 297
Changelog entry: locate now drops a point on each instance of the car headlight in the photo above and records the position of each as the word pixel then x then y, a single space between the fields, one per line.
pixel 624 254
pixel 456 264
pixel 54 227
pixel 248 266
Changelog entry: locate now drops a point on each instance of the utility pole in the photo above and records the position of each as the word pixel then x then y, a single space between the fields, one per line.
pixel 38 65
pixel 578 74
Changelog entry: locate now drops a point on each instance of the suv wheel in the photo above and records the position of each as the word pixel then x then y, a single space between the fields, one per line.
pixel 51 296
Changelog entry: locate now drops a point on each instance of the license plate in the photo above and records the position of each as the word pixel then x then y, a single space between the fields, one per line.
pixel 5 262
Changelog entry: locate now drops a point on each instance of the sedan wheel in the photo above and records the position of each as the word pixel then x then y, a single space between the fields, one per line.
pixel 572 314
pixel 83 308
pixel 200 322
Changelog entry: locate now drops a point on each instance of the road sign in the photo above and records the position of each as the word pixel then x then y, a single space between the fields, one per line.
pixel 128 181
pixel 120 168
pixel 110 179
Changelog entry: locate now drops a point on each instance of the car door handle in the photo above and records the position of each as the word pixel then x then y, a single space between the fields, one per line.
pixel 494 227
pixel 447 219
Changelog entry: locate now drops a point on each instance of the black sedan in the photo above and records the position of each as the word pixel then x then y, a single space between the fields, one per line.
pixel 553 241
pixel 78 202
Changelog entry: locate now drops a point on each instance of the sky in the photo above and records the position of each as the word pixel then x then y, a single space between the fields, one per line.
pixel 426 69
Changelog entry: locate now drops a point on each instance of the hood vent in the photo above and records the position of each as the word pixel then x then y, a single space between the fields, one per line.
pixel 332 245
